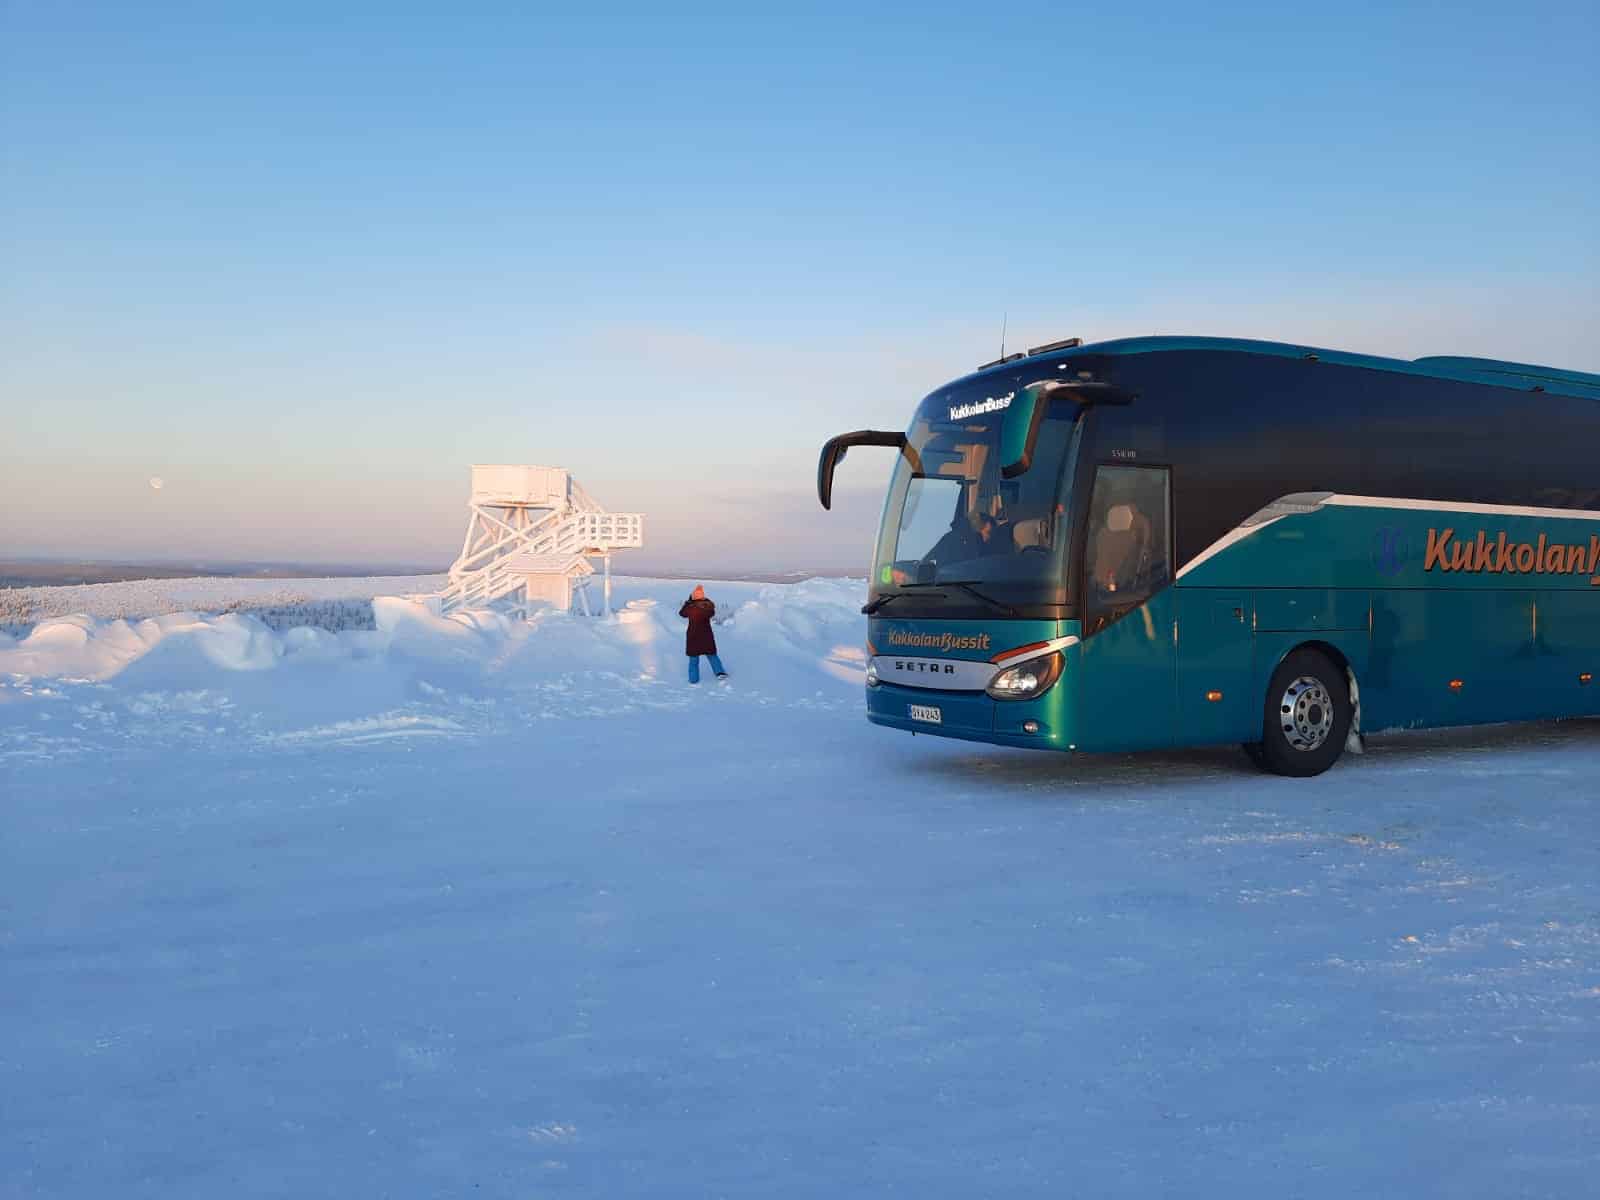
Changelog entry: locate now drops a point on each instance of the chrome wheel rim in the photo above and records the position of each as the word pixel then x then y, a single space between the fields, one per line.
pixel 1306 714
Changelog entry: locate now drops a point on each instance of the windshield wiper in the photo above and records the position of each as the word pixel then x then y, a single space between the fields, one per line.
pixel 875 605
pixel 972 591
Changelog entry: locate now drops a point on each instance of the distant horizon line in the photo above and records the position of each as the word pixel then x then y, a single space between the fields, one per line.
pixel 57 571
pixel 144 560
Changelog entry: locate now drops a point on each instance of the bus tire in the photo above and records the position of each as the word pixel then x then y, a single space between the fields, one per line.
pixel 1307 715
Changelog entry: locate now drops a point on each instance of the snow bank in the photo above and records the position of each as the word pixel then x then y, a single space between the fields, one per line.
pixel 84 648
pixel 814 623
pixel 769 633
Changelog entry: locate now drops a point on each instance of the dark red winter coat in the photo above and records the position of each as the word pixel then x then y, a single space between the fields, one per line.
pixel 700 639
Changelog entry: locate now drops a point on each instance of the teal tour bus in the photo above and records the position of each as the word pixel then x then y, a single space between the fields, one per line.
pixel 1176 541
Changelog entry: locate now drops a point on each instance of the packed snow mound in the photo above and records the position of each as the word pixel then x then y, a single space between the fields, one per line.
pixel 86 648
pixel 817 622
pixel 806 633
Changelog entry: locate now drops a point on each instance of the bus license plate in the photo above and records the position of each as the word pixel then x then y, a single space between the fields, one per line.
pixel 926 712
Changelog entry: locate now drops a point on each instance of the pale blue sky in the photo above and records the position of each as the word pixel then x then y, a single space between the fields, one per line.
pixel 308 262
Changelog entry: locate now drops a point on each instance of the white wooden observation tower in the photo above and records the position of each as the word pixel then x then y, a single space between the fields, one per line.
pixel 531 532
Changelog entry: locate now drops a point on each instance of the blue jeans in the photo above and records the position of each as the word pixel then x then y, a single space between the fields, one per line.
pixel 694 666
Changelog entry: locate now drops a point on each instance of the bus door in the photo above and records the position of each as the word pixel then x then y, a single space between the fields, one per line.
pixel 1125 685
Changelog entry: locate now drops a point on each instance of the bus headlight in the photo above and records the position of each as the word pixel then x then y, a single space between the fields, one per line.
pixel 872 673
pixel 1028 680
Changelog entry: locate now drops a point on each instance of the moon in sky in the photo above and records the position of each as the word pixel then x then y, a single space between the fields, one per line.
pixel 157 483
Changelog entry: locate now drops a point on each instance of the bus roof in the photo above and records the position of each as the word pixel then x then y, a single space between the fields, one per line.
pixel 1522 377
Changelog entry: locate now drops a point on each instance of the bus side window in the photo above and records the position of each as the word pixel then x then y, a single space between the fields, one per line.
pixel 1129 555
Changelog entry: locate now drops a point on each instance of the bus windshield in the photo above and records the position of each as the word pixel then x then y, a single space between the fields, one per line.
pixel 951 518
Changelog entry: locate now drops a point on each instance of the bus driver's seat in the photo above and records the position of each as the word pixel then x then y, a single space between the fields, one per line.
pixel 1026 535
pixel 1122 550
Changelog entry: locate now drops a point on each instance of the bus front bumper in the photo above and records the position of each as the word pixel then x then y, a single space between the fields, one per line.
pixel 973 716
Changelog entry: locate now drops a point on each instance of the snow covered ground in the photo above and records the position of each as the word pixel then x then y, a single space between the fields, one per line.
pixel 466 907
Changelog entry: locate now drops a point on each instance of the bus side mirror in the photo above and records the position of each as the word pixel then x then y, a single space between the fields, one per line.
pixel 1019 428
pixel 833 453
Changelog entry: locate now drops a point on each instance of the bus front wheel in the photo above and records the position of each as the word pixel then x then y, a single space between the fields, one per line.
pixel 1306 717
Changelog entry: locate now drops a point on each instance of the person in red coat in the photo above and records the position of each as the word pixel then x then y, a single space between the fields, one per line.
pixel 700 640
